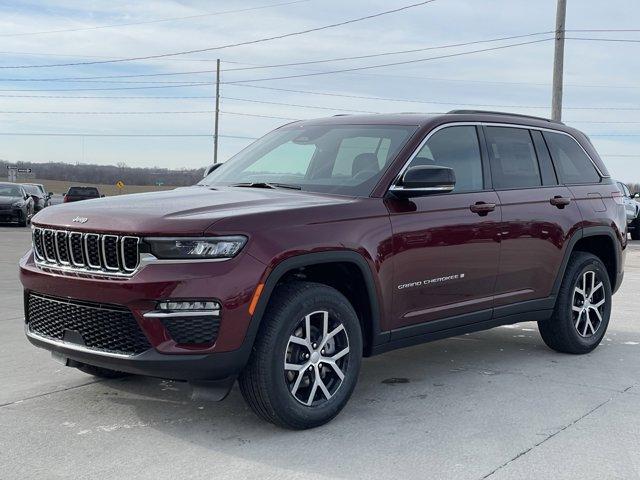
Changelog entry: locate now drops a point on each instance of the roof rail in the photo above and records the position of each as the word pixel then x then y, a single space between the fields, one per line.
pixel 489 112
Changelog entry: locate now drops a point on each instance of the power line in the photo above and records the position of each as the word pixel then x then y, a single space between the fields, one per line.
pixel 258 115
pixel 230 45
pixel 430 102
pixel 167 135
pixel 297 105
pixel 105 89
pixel 259 67
pixel 405 62
pixel 146 22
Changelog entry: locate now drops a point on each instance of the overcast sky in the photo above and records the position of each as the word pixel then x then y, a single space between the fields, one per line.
pixel 599 76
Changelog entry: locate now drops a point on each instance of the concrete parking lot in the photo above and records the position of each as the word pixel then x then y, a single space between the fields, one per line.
pixel 496 404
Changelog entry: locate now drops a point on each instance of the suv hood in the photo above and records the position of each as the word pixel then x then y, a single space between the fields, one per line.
pixel 183 211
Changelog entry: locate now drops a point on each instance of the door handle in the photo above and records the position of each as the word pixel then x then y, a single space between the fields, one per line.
pixel 482 208
pixel 559 201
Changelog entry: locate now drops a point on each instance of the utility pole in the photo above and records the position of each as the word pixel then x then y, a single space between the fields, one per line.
pixel 215 134
pixel 558 61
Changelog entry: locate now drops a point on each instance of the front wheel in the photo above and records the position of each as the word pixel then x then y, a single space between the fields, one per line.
pixel 306 359
pixel 583 307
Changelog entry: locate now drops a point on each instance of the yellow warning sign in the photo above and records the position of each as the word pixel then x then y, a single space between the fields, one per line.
pixel 119 184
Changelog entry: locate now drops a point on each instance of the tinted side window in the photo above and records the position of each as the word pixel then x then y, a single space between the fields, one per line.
pixel 458 149
pixel 513 158
pixel 572 164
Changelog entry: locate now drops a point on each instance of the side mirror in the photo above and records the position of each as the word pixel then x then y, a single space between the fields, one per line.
pixel 50 194
pixel 27 196
pixel 635 195
pixel 211 168
pixel 425 180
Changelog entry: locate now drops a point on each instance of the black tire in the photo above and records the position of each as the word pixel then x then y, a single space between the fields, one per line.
pixel 22 221
pixel 635 230
pixel 100 372
pixel 562 331
pixel 265 384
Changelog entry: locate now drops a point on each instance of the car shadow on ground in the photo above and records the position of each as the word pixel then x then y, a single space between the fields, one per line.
pixel 425 384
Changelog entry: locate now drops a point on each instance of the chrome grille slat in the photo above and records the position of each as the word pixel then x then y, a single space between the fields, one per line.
pixel 85 253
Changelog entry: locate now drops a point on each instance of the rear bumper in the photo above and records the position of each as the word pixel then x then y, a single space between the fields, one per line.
pixel 208 367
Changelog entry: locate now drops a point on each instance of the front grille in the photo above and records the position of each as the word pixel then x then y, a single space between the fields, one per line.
pixel 192 330
pixel 6 207
pixel 107 328
pixel 86 252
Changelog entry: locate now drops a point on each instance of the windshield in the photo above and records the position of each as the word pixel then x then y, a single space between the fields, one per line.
pixel 32 189
pixel 10 191
pixel 341 159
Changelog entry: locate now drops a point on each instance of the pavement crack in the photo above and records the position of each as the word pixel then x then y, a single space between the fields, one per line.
pixel 548 437
pixel 48 393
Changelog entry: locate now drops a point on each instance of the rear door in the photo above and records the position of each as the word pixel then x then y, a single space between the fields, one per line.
pixel 538 214
pixel 445 255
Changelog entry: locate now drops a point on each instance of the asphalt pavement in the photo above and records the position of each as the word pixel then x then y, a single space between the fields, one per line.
pixel 496 404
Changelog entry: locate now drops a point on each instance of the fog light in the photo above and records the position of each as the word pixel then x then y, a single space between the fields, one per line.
pixel 205 306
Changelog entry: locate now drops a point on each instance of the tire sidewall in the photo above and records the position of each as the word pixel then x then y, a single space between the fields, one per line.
pixel 338 307
pixel 589 263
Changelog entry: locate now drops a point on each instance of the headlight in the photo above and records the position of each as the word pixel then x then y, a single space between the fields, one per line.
pixel 195 248
pixel 19 204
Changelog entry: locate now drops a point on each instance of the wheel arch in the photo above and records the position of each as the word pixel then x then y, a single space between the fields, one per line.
pixel 363 296
pixel 601 241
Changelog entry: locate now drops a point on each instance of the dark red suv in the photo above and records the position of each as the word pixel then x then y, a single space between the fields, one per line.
pixel 329 240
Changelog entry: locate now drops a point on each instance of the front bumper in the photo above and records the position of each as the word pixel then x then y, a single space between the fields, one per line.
pixel 208 367
pixel 232 283
pixel 14 215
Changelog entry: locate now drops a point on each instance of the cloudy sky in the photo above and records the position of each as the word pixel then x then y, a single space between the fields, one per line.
pixel 602 93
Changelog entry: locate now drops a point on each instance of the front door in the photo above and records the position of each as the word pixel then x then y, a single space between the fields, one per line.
pixel 446 245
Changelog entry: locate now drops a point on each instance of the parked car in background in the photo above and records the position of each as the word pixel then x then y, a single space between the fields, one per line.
pixel 16 205
pixel 40 197
pixel 75 194
pixel 632 209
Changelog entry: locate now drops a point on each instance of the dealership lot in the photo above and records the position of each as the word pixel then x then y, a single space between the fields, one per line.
pixel 494 404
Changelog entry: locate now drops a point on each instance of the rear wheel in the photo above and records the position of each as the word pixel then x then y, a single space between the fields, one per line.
pixel 100 372
pixel 583 307
pixel 306 359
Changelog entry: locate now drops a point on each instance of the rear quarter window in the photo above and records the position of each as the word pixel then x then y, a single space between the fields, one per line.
pixel 572 163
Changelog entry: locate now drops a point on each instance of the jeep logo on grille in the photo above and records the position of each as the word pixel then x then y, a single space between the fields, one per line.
pixel 80 220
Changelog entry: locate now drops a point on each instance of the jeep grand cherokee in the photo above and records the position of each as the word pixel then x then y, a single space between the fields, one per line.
pixel 329 240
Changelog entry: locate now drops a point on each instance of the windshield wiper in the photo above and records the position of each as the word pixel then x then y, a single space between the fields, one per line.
pixel 267 185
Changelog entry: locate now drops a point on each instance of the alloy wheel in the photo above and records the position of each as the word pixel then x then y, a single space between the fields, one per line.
pixel 316 358
pixel 589 302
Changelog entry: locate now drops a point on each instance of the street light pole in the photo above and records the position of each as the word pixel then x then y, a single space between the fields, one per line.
pixel 558 61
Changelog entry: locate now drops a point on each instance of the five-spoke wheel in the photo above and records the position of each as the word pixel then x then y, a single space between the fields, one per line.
pixel 588 304
pixel 583 307
pixel 306 358
pixel 316 357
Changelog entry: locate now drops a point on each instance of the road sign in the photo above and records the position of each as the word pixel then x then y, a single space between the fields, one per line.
pixel 19 170
pixel 119 184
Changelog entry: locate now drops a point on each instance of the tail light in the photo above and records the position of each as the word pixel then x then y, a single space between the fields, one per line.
pixel 65 199
pixel 618 198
